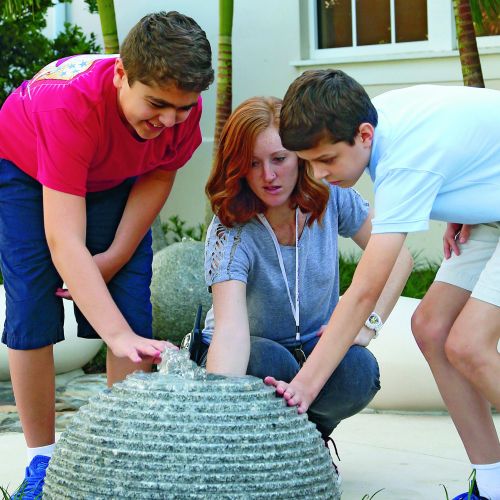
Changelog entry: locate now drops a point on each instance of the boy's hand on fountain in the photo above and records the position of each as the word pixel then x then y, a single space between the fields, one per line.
pixel 137 349
pixel 293 393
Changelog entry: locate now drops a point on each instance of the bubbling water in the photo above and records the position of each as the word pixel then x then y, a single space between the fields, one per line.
pixel 178 363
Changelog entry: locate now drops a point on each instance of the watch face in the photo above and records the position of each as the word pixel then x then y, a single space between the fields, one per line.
pixel 374 322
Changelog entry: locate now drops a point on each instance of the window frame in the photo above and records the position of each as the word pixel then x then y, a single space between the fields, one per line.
pixel 441 38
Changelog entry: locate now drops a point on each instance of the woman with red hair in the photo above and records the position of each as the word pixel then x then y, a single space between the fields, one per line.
pixel 272 264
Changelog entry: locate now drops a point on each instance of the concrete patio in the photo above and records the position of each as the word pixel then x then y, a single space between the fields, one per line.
pixel 408 453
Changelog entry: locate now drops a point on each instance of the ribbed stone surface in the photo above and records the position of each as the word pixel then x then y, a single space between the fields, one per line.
pixel 189 435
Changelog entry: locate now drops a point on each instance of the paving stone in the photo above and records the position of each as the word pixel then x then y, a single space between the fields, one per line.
pixel 73 390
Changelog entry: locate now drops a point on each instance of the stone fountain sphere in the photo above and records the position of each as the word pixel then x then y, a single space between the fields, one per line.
pixel 162 436
pixel 177 288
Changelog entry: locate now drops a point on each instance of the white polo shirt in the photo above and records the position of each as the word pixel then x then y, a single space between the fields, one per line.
pixel 436 155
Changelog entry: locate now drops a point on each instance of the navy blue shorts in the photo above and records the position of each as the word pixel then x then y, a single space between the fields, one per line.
pixel 34 315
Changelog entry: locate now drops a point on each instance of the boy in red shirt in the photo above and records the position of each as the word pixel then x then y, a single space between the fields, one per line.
pixel 89 149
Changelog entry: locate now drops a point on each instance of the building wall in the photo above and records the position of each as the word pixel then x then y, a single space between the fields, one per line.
pixel 270 48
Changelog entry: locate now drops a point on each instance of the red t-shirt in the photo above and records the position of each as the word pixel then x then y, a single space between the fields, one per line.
pixel 63 128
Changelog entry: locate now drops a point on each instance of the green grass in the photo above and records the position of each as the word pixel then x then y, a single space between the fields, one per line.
pixel 6 496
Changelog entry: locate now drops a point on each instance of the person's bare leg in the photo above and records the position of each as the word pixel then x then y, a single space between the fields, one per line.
pixel 470 411
pixel 118 368
pixel 472 347
pixel 33 382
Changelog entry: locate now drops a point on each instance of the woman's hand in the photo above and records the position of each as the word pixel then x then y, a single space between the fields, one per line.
pixel 293 393
pixel 454 234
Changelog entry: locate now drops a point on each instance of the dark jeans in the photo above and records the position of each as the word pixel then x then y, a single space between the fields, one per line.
pixel 34 315
pixel 348 390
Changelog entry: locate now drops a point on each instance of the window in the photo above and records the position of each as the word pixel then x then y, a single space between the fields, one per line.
pixel 490 22
pixel 349 30
pixel 353 23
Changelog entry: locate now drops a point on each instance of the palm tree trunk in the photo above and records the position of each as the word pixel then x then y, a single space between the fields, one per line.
pixel 225 68
pixel 467 46
pixel 108 25
pixel 224 79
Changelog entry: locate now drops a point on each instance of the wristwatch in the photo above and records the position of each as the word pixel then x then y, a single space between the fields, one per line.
pixel 375 323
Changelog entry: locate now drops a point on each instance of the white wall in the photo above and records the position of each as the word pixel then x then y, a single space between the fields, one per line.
pixel 265 39
pixel 269 51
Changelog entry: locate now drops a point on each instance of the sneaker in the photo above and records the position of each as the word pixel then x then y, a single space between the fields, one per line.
pixel 473 495
pixel 31 487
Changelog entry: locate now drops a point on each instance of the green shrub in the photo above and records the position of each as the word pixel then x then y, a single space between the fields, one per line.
pixel 417 285
pixel 25 49
pixel 176 230
pixel 419 281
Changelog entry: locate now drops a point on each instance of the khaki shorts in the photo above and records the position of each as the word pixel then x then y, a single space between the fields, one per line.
pixel 477 268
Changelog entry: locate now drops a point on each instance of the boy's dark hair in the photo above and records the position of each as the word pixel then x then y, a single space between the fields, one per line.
pixel 324 104
pixel 168 47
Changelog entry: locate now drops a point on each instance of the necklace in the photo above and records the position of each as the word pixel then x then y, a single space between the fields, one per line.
pixel 295 308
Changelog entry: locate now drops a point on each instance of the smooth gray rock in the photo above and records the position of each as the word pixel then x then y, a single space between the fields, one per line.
pixel 177 288
pixel 186 434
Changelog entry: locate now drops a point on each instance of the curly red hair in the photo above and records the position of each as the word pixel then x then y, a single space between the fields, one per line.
pixel 227 189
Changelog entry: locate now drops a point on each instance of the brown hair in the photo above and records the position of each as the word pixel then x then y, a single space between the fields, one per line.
pixel 168 47
pixel 227 189
pixel 324 104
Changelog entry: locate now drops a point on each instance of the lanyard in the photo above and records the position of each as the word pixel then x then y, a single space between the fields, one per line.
pixel 295 308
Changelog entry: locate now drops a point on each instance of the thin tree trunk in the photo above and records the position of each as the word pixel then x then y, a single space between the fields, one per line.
pixel 467 46
pixel 224 80
pixel 108 25
pixel 224 68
